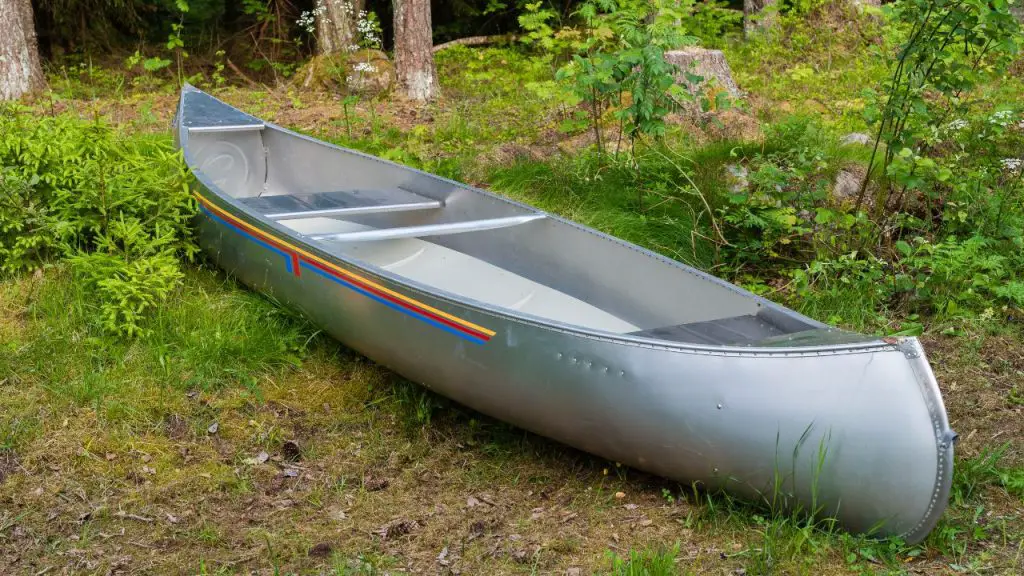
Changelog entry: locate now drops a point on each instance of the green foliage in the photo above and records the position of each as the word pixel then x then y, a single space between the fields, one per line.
pixel 950 47
pixel 118 208
pixel 650 562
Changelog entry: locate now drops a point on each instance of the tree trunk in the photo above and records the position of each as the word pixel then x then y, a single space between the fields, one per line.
pixel 753 19
pixel 20 71
pixel 336 25
pixel 414 57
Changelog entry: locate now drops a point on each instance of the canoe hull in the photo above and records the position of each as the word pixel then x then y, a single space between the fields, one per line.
pixel 855 433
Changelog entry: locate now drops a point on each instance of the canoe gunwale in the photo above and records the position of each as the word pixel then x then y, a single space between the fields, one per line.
pixel 945 438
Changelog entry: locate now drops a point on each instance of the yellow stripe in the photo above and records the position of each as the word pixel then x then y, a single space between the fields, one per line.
pixel 310 256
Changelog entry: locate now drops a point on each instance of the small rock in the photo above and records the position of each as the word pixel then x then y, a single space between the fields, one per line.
pixel 620 495
pixel 213 428
pixel 146 458
pixel 520 556
pixel 290 473
pixel 856 138
pixel 442 558
pixel 736 178
pixel 321 550
pixel 573 571
pixel 172 518
pixel 847 186
pixel 472 502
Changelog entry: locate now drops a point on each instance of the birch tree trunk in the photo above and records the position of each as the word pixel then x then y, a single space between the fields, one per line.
pixel 336 25
pixel 20 70
pixel 414 56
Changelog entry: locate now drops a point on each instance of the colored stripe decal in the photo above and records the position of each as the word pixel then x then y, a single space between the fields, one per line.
pixel 296 259
pixel 472 338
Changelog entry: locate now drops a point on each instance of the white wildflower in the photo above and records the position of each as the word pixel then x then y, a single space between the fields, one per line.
pixel 956 125
pixel 1011 164
pixel 364 67
pixel 1002 118
pixel 353 47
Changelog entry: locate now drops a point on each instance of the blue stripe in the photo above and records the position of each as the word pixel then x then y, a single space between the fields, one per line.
pixel 392 305
pixel 245 234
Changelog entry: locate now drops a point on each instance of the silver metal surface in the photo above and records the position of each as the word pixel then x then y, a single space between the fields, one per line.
pixel 800 415
pixel 428 229
pixel 226 128
pixel 355 210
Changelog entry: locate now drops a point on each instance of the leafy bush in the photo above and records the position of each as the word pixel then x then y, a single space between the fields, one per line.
pixel 118 209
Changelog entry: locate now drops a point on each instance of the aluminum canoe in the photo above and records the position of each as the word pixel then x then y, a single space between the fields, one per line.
pixel 570 333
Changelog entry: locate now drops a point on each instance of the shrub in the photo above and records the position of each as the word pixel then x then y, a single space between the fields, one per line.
pixel 117 208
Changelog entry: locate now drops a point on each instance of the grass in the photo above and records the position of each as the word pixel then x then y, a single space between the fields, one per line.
pixel 145 454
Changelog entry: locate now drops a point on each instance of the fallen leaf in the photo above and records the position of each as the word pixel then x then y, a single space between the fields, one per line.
pixel 146 458
pixel 442 558
pixel 375 483
pixel 397 528
pixel 630 506
pixel 172 518
pixel 148 470
pixel 257 460
pixel 290 473
pixel 110 456
pixel 472 502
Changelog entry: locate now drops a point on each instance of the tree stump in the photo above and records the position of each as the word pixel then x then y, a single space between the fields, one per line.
pixel 365 72
pixel 708 64
pixel 1017 9
pixel 754 17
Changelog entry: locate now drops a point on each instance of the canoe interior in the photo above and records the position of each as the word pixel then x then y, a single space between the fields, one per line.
pixel 476 246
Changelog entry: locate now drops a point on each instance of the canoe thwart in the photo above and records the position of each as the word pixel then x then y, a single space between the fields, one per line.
pixel 227 128
pixel 339 203
pixel 428 229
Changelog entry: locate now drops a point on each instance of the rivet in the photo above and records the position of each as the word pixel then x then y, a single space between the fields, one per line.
pixel 719 406
pixel 559 356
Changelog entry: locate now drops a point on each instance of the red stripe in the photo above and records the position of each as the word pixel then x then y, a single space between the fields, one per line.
pixel 405 305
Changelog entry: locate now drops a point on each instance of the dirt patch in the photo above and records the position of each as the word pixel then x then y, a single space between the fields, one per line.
pixel 8 464
pixel 978 380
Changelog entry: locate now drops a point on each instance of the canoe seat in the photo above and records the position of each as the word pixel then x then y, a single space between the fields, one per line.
pixel 733 331
pixel 339 203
